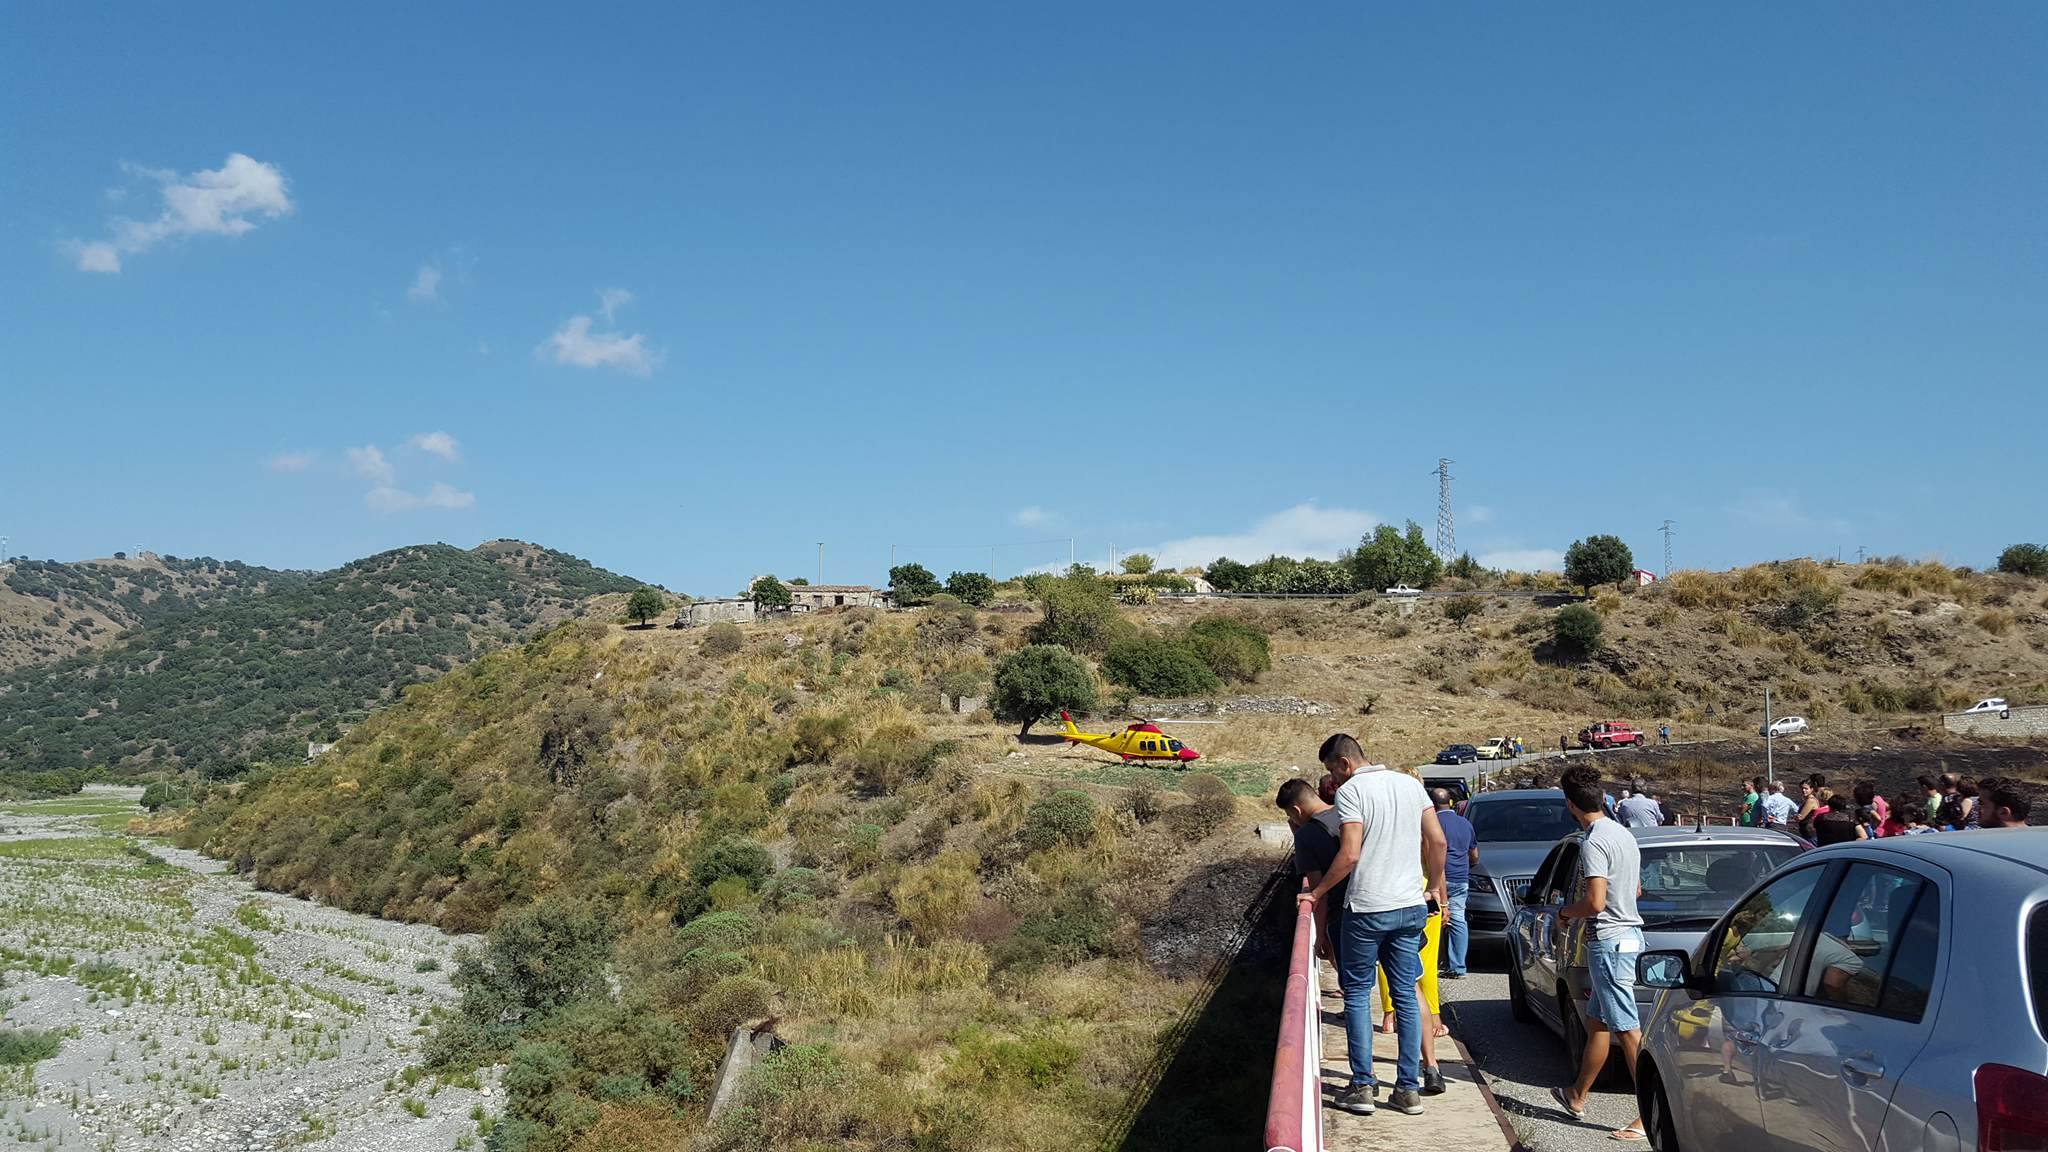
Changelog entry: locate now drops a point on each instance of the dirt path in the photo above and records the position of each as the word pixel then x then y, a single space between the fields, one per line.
pixel 197 1013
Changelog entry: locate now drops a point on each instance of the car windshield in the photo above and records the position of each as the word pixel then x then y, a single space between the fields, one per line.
pixel 1701 881
pixel 1536 818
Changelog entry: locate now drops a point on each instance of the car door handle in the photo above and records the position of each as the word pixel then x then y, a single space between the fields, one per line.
pixel 1742 1037
pixel 1858 1069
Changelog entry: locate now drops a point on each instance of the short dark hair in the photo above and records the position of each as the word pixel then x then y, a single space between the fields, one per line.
pixel 1966 787
pixel 1342 744
pixel 1294 792
pixel 1582 788
pixel 1927 781
pixel 1834 828
pixel 1865 792
pixel 1818 781
pixel 1756 782
pixel 2005 792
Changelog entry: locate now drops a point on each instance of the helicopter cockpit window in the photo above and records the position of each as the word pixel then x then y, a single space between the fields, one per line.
pixel 1174 745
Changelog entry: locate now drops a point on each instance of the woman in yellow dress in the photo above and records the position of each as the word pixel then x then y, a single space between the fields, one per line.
pixel 1432 1006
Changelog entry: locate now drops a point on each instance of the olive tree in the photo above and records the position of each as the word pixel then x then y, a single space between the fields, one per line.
pixel 1038 681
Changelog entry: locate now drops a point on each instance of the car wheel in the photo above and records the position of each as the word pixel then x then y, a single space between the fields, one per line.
pixel 1656 1110
pixel 1518 994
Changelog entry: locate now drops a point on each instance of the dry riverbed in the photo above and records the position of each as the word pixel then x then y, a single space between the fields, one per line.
pixel 189 1011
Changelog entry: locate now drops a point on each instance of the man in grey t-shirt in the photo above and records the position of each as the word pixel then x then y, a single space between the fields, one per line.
pixel 1612 865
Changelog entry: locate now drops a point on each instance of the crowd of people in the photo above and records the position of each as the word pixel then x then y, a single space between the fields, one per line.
pixel 1947 803
pixel 1387 865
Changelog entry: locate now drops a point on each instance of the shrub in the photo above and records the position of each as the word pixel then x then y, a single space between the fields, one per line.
pixel 723 640
pixel 1598 560
pixel 1459 609
pixel 912 584
pixel 1137 564
pixel 1212 806
pixel 1575 631
pixel 1036 682
pixel 1236 651
pixel 1065 817
pixel 728 1004
pixel 1142 800
pixel 2024 560
pixel 28 1045
pixel 795 888
pixel 1158 666
pixel 724 872
pixel 973 588
pixel 1996 621
pixel 1080 614
pixel 1076 926
pixel 935 897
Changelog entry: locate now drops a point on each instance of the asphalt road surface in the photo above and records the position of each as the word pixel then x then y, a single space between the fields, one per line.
pixel 1523 1062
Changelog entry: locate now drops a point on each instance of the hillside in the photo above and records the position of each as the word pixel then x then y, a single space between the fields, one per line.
pixel 252 675
pixel 50 610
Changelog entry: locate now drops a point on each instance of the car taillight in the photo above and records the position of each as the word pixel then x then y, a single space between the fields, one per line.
pixel 2012 1109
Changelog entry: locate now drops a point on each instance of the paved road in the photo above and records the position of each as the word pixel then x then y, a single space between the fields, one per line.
pixel 1522 1062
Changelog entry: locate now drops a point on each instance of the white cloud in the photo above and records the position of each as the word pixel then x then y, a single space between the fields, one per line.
pixel 1478 514
pixel 369 462
pixel 226 201
pixel 437 443
pixel 1524 560
pixel 574 343
pixel 1029 517
pixel 1304 530
pixel 291 461
pixel 386 498
pixel 426 283
pixel 610 300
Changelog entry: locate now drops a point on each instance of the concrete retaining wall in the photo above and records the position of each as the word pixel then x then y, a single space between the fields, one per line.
pixel 2017 722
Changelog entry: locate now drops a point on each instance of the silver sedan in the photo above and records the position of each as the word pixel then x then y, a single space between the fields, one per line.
pixel 1880 994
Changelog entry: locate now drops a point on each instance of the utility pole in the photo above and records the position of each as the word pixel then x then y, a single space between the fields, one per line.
pixel 821 561
pixel 1667 549
pixel 1446 534
pixel 1770 771
pixel 1859 551
pixel 892 556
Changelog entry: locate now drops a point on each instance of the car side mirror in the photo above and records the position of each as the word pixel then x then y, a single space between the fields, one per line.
pixel 1664 970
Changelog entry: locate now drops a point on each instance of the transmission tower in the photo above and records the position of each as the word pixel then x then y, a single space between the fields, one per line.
pixel 1446 535
pixel 1667 548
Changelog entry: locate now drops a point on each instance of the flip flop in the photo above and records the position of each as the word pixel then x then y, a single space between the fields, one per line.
pixel 1564 1101
pixel 1628 1135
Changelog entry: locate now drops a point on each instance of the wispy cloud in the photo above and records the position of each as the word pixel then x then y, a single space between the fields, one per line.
pixel 291 461
pixel 1031 517
pixel 226 201
pixel 575 344
pixel 385 498
pixel 1477 514
pixel 610 300
pixel 1305 530
pixel 426 283
pixel 369 463
pixel 437 443
pixel 1523 560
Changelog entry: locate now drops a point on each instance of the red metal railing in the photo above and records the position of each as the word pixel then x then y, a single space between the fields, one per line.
pixel 1294 1108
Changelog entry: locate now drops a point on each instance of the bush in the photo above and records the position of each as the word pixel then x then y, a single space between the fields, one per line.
pixel 28 1045
pixel 1080 614
pixel 1575 631
pixel 1076 926
pixel 934 898
pixel 1157 666
pixel 1235 650
pixel 1459 609
pixel 1036 682
pixel 1142 800
pixel 1212 805
pixel 1598 560
pixel 536 961
pixel 795 888
pixel 728 1004
pixel 2024 560
pixel 912 584
pixel 1137 564
pixel 974 588
pixel 733 864
pixel 1065 817
pixel 723 640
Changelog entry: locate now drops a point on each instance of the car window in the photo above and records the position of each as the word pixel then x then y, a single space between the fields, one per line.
pixel 1701 881
pixel 1865 926
pixel 1540 883
pixel 1911 977
pixel 1541 818
pixel 1759 936
pixel 1564 875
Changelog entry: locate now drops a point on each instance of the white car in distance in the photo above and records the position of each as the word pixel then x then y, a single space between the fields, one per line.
pixel 1785 726
pixel 1403 590
pixel 1994 704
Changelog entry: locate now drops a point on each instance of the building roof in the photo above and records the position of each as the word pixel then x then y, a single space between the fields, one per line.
pixel 833 588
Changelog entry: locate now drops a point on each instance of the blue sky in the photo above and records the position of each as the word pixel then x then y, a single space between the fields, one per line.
pixel 686 290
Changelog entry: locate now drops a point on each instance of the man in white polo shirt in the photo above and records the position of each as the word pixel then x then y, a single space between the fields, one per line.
pixel 1392 853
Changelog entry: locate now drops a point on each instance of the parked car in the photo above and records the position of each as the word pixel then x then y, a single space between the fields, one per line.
pixel 1403 590
pixel 1514 829
pixel 1459 787
pixel 1690 877
pixel 1879 994
pixel 1994 704
pixel 1458 754
pixel 1498 748
pixel 1611 734
pixel 1784 726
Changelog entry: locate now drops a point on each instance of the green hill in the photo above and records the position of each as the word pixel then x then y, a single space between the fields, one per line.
pixel 223 679
pixel 50 610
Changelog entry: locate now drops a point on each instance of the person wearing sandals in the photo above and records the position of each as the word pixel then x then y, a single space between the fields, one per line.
pixel 1613 868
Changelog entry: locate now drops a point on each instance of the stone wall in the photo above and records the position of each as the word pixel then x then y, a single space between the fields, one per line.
pixel 2020 723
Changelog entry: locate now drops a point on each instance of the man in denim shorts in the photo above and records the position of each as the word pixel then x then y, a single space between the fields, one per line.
pixel 1613 868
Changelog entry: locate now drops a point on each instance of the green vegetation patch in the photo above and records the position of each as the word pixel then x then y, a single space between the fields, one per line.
pixel 20 1046
pixel 68 849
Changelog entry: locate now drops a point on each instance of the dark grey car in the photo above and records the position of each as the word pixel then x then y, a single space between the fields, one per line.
pixel 1690 877
pixel 1515 829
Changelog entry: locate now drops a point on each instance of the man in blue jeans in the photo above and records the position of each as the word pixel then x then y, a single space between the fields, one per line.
pixel 1392 855
pixel 1612 866
pixel 1461 853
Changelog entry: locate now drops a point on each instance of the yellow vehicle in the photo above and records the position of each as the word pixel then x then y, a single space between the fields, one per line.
pixel 1137 742
pixel 1498 748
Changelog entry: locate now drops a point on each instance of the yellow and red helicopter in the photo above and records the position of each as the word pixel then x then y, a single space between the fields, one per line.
pixel 1143 741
